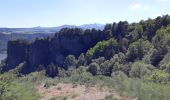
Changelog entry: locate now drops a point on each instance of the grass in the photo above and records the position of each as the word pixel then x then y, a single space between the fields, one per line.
pixel 59 98
pixel 74 96
pixel 132 88
pixel 23 88
pixel 15 89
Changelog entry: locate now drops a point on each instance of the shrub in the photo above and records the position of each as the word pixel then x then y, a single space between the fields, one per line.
pixel 70 61
pixel 99 61
pixel 158 76
pixel 119 74
pixel 120 57
pixel 165 63
pixel 139 69
pixel 81 60
pixel 52 70
pixel 94 68
pixel 106 68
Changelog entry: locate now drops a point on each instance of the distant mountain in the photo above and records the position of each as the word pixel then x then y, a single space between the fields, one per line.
pixel 85 26
pixel 7 34
pixel 47 30
pixel 90 26
pixel 4 38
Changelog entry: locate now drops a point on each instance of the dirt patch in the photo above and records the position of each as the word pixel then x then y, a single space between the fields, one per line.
pixel 76 92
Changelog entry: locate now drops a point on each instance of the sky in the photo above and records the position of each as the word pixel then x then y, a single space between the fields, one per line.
pixel 51 13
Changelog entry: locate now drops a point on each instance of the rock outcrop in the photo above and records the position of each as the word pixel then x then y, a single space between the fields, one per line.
pixel 52 50
pixel 17 53
pixel 38 54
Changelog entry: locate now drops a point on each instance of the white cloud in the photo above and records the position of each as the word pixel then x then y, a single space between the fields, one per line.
pixel 139 6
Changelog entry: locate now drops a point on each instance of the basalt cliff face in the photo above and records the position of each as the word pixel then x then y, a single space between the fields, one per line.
pixel 51 50
pixel 17 53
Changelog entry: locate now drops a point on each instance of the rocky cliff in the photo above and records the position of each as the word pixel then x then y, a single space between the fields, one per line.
pixel 17 53
pixel 52 50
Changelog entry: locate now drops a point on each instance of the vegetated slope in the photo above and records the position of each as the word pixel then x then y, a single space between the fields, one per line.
pixel 7 34
pixel 146 42
pixel 136 55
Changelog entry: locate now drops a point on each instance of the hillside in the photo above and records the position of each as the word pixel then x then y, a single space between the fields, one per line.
pixel 131 59
pixel 30 34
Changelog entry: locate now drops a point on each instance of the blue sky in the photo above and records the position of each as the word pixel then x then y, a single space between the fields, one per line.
pixel 49 13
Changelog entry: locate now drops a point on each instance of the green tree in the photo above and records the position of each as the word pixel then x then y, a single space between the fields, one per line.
pixel 138 49
pixel 104 48
pixel 136 33
pixel 122 30
pixel 162 38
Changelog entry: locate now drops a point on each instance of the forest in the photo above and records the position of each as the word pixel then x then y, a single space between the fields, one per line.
pixel 130 58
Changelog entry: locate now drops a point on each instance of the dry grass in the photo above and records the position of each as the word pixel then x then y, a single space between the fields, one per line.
pixel 76 92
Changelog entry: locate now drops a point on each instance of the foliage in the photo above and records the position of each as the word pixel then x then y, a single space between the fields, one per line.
pixel 132 59
pixel 158 76
pixel 137 32
pixel 12 88
pixel 162 37
pixel 139 69
pixel 101 66
pixel 94 68
pixel 70 61
pixel 104 48
pixel 138 49
pixel 52 70
pixel 165 63
pixel 81 60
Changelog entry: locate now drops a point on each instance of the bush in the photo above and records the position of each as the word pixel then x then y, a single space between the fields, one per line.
pixel 81 60
pixel 52 70
pixel 102 66
pixel 139 69
pixel 94 68
pixel 99 61
pixel 119 74
pixel 158 76
pixel 70 61
pixel 165 63
pixel 106 68
pixel 166 67
pixel 120 58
